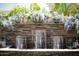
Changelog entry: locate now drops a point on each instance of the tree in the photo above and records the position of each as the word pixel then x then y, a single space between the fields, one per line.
pixel 73 9
pixel 34 7
pixel 59 7
pixel 18 10
pixel 66 9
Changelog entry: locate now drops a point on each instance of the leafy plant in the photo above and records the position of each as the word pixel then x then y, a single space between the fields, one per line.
pixel 35 7
pixel 73 9
pixel 65 8
pixel 18 10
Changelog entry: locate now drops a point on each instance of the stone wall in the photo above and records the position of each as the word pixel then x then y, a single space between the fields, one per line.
pixel 28 30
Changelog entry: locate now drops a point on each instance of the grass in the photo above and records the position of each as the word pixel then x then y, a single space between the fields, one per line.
pixel 39 53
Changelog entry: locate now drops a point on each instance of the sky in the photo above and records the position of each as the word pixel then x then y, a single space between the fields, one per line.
pixel 9 6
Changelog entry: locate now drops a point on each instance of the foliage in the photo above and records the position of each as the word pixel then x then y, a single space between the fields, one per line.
pixel 73 9
pixel 35 7
pixel 58 7
pixel 77 23
pixel 18 10
pixel 66 9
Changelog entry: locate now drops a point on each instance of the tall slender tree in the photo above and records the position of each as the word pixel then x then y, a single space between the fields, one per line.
pixel 65 8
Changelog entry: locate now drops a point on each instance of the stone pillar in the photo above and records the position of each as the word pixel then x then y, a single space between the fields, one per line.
pixel 56 42
pixel 19 42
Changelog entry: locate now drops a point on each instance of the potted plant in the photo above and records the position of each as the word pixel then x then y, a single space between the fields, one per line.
pixel 56 19
pixel 38 18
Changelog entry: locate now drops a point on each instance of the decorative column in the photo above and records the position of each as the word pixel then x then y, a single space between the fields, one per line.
pixel 19 42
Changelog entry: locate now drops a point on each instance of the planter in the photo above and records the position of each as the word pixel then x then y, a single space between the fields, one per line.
pixel 56 20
